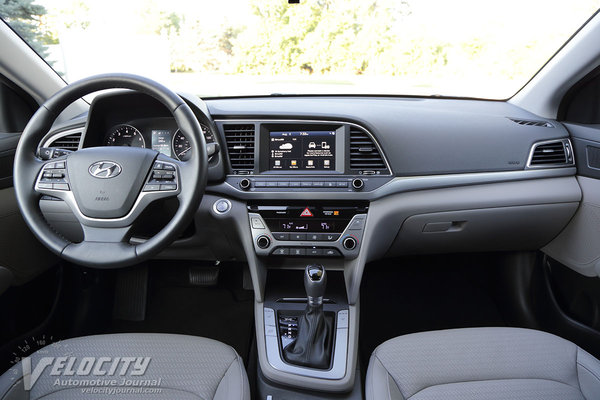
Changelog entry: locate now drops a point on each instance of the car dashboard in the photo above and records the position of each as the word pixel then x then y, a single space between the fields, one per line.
pixel 349 179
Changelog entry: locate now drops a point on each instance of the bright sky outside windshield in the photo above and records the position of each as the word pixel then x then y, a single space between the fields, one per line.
pixel 469 48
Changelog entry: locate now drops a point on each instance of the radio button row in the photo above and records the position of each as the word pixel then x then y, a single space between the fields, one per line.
pixel 313 237
pixel 304 184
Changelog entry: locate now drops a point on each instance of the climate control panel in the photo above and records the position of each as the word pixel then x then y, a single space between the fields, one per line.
pixel 300 230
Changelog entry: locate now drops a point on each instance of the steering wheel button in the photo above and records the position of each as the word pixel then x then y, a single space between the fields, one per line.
pixel 168 177
pixel 44 185
pixel 59 165
pixel 159 165
pixel 168 187
pixel 151 188
pixel 61 186
pixel 58 176
pixel 168 167
pixel 46 175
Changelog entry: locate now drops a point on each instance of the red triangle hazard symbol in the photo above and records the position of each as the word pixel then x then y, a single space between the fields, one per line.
pixel 306 213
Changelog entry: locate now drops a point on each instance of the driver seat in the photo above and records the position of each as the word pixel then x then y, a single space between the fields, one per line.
pixel 144 366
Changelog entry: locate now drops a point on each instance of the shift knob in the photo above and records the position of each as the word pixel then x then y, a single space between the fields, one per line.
pixel 315 281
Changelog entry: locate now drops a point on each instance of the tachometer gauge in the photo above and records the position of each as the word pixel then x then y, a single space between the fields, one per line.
pixel 125 135
pixel 181 145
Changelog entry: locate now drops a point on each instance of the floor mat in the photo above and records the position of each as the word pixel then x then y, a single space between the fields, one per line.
pixel 174 306
pixel 417 294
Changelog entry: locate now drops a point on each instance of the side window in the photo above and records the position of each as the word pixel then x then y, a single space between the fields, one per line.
pixel 581 104
pixel 16 108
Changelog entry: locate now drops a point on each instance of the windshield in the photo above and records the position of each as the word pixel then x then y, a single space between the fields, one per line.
pixel 463 48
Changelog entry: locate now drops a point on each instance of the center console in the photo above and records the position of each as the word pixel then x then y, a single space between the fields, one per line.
pixel 303 189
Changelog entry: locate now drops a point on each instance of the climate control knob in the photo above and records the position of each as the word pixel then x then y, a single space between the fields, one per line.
pixel 263 241
pixel 349 243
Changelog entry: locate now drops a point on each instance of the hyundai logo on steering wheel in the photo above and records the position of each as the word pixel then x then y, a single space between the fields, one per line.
pixel 105 169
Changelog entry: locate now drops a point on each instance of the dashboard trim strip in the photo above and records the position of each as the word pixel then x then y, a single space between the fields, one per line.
pixel 399 185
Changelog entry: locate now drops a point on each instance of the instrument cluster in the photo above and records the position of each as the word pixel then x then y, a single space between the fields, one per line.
pixel 160 134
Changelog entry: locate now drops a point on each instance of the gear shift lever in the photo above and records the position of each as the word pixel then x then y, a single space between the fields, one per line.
pixel 313 345
pixel 315 281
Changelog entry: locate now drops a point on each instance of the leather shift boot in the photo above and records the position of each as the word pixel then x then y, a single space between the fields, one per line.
pixel 313 345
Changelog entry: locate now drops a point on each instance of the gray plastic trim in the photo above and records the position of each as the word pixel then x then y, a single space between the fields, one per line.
pixel 401 184
pixel 340 349
pixel 342 384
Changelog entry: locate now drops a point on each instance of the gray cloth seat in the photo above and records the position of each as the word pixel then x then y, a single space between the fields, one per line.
pixel 482 364
pixel 176 367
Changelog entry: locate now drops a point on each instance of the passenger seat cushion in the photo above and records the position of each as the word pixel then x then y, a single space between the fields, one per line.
pixel 482 363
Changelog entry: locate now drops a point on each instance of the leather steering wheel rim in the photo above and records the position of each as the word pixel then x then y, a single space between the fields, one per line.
pixel 112 253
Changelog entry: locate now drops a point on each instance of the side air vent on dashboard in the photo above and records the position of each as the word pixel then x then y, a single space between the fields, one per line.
pixel 66 142
pixel 364 154
pixel 529 122
pixel 240 145
pixel 551 153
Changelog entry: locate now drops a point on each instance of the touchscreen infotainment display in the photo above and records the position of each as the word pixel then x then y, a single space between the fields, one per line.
pixel 302 150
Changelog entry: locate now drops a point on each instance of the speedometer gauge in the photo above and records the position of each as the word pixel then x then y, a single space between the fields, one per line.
pixel 181 145
pixel 125 135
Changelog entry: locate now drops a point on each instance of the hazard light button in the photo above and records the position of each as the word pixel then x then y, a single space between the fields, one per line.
pixel 306 213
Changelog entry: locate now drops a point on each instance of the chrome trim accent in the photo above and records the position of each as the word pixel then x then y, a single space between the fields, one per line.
pixel 62 134
pixel 565 143
pixel 300 121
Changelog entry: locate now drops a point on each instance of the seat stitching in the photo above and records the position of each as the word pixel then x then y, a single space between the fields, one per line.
pixel 394 379
pixel 494 380
pixel 241 377
pixel 588 370
pixel 225 373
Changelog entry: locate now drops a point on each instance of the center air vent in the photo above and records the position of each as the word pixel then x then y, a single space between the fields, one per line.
pixel 66 142
pixel 364 154
pixel 551 153
pixel 240 145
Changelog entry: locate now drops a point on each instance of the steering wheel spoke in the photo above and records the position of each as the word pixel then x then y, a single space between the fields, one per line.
pixel 52 179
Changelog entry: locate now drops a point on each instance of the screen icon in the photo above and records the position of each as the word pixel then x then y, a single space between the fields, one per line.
pixel 293 163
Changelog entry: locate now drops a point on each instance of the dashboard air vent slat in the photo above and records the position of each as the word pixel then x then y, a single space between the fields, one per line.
pixel 69 142
pixel 528 122
pixel 240 145
pixel 364 154
pixel 551 153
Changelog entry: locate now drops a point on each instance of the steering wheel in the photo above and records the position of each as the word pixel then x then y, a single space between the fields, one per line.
pixel 107 188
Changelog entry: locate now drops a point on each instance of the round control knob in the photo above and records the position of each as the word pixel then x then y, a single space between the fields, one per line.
pixel 358 184
pixel 245 184
pixel 263 241
pixel 349 243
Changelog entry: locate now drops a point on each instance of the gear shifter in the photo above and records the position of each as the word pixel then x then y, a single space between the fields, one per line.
pixel 312 347
pixel 315 282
